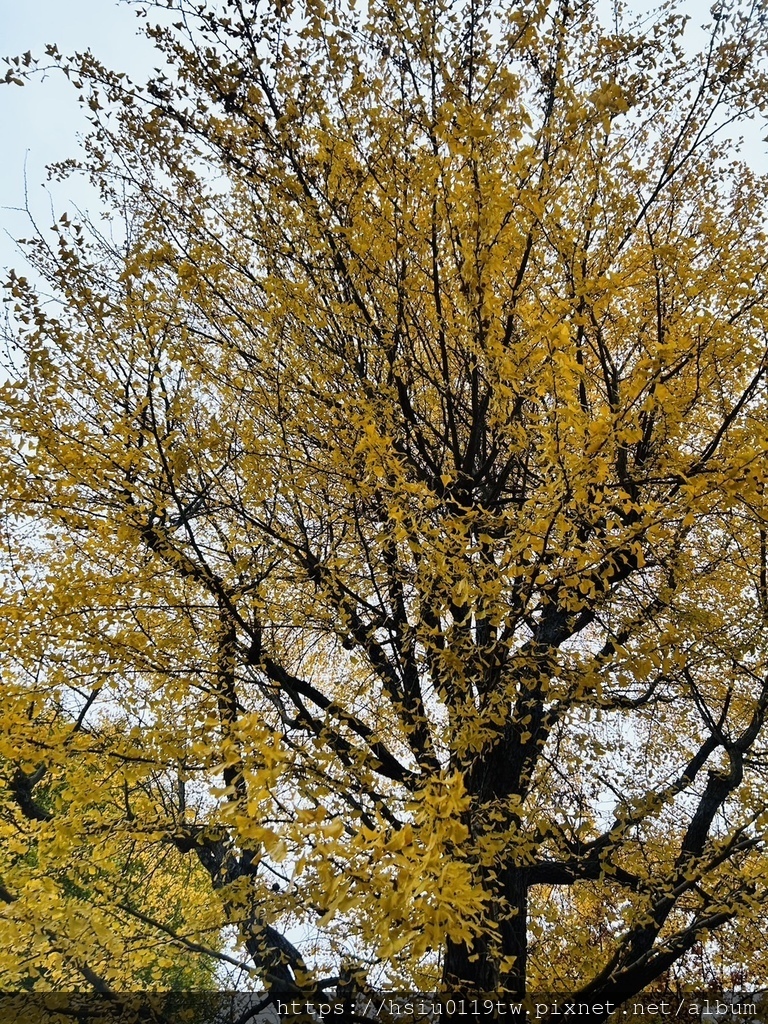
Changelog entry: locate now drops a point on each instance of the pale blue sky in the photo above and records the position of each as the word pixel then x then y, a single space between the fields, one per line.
pixel 40 122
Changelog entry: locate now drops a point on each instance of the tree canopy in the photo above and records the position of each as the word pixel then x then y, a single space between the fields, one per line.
pixel 384 517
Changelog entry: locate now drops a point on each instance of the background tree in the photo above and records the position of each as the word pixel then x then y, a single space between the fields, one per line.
pixel 82 893
pixel 384 488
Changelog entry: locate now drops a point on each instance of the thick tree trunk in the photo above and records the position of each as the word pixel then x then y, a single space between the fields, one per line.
pixel 472 972
pixel 469 970
pixel 513 923
pixel 469 974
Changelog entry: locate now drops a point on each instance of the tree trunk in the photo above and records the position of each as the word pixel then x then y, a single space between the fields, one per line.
pixel 472 972
pixel 514 931
pixel 469 974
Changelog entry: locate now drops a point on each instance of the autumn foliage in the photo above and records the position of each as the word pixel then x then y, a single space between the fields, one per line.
pixel 385 528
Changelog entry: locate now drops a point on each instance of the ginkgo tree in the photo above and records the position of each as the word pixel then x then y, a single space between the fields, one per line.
pixel 384 499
